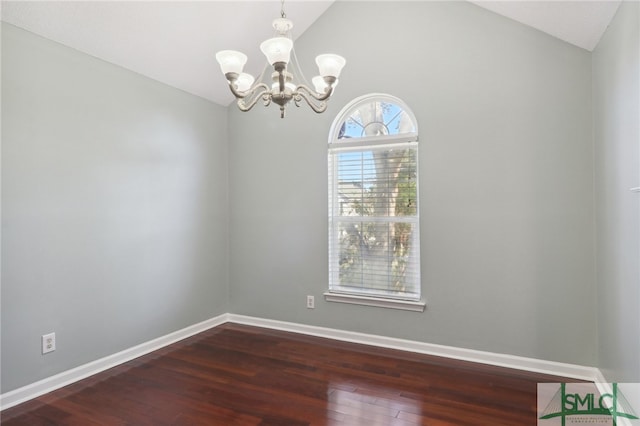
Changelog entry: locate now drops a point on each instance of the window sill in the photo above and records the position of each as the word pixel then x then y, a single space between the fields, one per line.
pixel 379 302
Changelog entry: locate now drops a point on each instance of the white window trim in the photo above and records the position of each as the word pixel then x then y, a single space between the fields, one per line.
pixel 357 299
pixel 407 140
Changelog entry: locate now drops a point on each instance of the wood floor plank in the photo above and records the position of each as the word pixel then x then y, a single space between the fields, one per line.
pixel 250 376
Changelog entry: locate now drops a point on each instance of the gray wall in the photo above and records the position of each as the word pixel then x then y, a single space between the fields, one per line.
pixel 114 196
pixel 506 182
pixel 616 89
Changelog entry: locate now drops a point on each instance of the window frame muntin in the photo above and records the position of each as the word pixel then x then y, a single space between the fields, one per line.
pixel 352 106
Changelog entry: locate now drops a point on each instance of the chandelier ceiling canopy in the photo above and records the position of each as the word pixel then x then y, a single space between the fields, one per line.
pixel 281 56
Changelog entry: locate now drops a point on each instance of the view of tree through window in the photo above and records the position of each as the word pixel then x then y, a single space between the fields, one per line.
pixel 374 237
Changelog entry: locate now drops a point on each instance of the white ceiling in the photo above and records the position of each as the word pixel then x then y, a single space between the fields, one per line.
pixel 581 23
pixel 174 42
pixel 170 41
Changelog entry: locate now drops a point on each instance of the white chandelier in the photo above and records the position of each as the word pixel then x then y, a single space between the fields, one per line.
pixel 278 51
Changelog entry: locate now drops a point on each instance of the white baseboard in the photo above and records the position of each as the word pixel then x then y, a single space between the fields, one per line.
pixel 65 378
pixel 601 382
pixel 501 360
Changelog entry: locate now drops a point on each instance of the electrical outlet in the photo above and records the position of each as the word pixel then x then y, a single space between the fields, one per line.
pixel 48 343
pixel 311 304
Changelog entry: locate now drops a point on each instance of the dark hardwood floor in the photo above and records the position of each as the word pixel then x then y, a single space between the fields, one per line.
pixel 240 375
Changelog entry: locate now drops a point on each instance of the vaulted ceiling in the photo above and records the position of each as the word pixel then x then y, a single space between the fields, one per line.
pixel 175 42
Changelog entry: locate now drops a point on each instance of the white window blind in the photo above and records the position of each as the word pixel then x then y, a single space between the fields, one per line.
pixel 373 203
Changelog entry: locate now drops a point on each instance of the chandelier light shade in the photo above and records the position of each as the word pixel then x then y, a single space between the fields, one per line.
pixel 281 56
pixel 244 81
pixel 330 65
pixel 277 49
pixel 231 61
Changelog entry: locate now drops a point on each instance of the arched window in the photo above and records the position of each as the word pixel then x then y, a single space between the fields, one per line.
pixel 374 235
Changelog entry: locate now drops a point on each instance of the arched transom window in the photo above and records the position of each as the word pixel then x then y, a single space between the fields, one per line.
pixel 374 251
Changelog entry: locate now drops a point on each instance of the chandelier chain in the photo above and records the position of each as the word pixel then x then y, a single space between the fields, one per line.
pixel 282 14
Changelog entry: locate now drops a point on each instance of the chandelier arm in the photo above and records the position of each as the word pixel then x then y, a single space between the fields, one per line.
pixel 302 88
pixel 247 93
pixel 264 95
pixel 298 96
